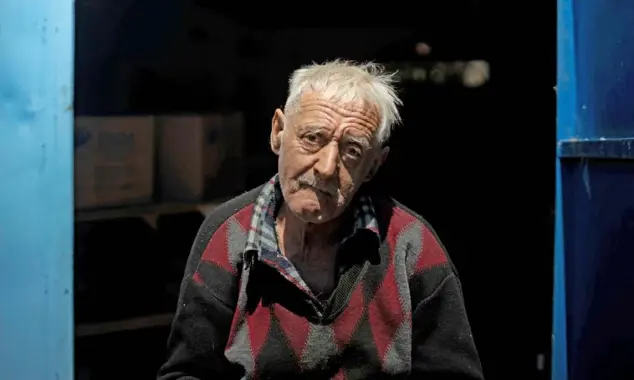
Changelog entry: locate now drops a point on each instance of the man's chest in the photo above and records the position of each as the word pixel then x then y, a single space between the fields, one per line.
pixel 357 334
pixel 319 274
pixel 314 264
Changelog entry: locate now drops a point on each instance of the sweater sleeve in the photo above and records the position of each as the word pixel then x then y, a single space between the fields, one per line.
pixel 201 325
pixel 442 344
pixel 195 345
pixel 443 347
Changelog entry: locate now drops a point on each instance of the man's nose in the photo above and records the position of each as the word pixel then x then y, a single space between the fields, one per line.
pixel 328 160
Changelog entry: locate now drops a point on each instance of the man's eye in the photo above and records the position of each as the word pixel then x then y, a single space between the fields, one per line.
pixel 354 152
pixel 311 138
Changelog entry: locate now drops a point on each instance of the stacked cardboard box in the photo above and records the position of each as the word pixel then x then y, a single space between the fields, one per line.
pixel 114 161
pixel 196 157
pixel 200 157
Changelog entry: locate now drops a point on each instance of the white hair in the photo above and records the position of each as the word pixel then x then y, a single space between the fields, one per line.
pixel 346 82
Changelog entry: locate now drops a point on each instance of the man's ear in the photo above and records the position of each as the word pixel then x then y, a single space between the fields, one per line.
pixel 378 161
pixel 277 128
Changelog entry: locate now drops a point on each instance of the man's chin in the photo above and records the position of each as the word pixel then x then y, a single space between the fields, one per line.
pixel 310 215
pixel 310 212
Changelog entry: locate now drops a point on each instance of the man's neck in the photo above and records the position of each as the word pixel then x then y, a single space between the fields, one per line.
pixel 300 238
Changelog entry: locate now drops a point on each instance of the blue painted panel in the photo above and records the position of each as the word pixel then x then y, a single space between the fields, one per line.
pixel 593 320
pixel 621 149
pixel 36 181
pixel 604 36
pixel 598 224
pixel 566 127
pixel 567 120
pixel 559 366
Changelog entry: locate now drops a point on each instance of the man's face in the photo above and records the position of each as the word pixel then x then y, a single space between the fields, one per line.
pixel 326 150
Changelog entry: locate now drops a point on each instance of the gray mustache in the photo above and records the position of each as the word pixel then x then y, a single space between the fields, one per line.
pixel 309 180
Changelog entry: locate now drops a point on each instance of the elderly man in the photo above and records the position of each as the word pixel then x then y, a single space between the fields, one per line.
pixel 312 275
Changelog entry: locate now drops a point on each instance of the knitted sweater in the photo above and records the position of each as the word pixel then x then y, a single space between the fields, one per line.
pixel 245 313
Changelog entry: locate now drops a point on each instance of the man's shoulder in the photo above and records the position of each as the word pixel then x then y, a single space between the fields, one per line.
pixel 223 234
pixel 407 231
pixel 402 215
pixel 240 206
pixel 395 217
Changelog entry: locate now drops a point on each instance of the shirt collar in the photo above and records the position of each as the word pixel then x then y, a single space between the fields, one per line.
pixel 262 237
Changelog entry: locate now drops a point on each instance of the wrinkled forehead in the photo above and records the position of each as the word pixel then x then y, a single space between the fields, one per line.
pixel 318 105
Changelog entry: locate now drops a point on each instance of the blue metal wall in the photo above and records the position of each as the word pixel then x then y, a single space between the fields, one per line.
pixel 36 180
pixel 594 250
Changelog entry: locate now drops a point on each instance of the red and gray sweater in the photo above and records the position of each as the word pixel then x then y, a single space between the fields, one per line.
pixel 245 313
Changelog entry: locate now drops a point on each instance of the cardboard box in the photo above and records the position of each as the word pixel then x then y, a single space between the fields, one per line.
pixel 114 161
pixel 200 156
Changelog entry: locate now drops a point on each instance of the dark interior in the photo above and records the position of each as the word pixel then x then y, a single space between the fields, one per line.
pixel 477 163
